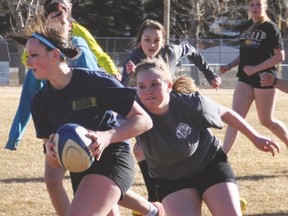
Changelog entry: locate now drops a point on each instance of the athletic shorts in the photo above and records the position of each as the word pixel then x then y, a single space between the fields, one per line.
pixel 254 81
pixel 217 170
pixel 116 163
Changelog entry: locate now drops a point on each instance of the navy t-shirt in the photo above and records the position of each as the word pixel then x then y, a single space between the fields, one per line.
pixel 88 100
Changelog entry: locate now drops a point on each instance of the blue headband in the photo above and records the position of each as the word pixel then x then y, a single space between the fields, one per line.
pixel 46 42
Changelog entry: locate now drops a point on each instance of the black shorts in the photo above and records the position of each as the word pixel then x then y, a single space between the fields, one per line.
pixel 217 170
pixel 254 81
pixel 116 163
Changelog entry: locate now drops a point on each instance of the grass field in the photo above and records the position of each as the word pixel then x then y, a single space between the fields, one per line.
pixel 262 179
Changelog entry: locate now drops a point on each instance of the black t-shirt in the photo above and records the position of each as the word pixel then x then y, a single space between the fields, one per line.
pixel 258 45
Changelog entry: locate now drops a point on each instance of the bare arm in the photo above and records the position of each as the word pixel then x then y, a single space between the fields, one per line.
pixel 233 119
pixel 268 79
pixel 138 121
pixel 223 69
pixel 50 154
pixel 277 58
pixel 282 85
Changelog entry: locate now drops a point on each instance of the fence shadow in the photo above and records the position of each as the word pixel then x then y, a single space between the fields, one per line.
pixel 262 177
pixel 269 214
pixel 24 180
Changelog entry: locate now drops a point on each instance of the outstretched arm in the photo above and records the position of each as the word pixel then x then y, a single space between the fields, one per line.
pixel 201 63
pixel 233 119
pixel 138 122
pixel 224 68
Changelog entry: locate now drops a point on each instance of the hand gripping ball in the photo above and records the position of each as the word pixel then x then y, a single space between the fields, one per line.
pixel 71 146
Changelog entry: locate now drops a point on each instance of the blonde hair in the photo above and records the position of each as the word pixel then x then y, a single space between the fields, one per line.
pixel 184 84
pixel 262 19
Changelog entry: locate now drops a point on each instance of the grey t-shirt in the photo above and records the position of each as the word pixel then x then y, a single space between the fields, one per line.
pixel 179 145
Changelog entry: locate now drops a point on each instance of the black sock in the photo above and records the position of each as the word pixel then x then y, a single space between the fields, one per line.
pixel 149 182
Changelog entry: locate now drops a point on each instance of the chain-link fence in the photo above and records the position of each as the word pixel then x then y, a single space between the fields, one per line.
pixel 4 62
pixel 216 51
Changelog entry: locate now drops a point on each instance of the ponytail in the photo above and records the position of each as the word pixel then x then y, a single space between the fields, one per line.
pixel 184 85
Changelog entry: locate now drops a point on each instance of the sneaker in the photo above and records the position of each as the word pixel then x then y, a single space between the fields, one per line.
pixel 243 204
pixel 135 213
pixel 159 206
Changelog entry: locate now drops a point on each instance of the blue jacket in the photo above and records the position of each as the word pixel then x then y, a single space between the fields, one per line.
pixel 31 85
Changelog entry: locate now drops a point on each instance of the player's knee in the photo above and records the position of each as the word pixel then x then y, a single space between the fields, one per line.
pixel 268 123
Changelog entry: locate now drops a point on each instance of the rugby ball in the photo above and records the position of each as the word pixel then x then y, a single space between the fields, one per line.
pixel 71 146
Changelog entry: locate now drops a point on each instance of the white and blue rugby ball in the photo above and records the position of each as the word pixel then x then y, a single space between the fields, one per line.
pixel 71 146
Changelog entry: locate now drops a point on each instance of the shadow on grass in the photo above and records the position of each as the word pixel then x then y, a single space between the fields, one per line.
pixel 24 180
pixel 137 184
pixel 261 177
pixel 239 178
pixel 269 214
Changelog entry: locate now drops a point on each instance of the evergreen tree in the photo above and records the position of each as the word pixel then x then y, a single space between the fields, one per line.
pixel 5 19
pixel 110 18
pixel 154 10
pixel 121 18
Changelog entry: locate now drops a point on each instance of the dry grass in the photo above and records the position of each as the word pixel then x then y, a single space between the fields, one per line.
pixel 262 179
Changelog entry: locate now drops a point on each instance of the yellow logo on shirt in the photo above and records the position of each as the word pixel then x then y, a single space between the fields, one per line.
pixel 84 103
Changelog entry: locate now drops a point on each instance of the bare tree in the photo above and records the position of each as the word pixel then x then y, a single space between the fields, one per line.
pixel 21 11
pixel 279 11
pixel 166 17
pixel 194 19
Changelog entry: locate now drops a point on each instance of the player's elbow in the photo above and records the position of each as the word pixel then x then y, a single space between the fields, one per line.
pixel 282 56
pixel 148 123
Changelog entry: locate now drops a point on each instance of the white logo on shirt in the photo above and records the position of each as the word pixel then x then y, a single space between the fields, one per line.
pixel 183 130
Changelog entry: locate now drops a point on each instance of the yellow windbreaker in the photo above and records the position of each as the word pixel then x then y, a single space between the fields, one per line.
pixel 103 58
